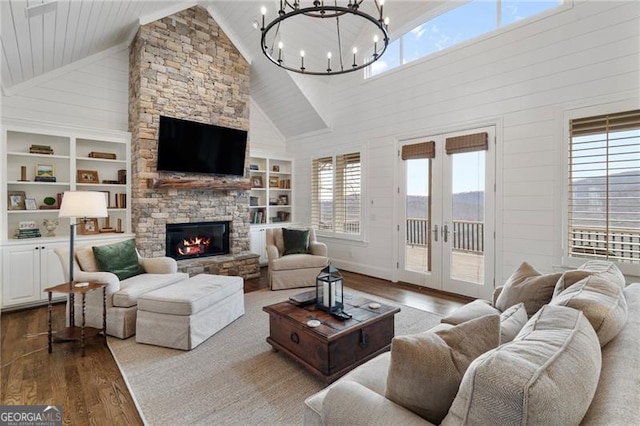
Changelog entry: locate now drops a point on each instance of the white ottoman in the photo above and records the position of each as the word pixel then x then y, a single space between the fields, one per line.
pixel 187 313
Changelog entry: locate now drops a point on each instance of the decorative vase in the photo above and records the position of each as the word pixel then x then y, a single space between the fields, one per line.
pixel 50 225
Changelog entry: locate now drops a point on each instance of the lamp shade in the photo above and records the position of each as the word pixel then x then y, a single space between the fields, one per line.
pixel 83 204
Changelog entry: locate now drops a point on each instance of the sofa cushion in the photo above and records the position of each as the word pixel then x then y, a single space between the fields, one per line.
pixel 86 259
pixel 511 322
pixel 119 258
pixel 528 286
pixel 296 241
pixel 476 309
pixel 134 287
pixel 547 375
pixel 602 302
pixel 425 369
pixel 606 270
pixel 299 261
pixel 568 279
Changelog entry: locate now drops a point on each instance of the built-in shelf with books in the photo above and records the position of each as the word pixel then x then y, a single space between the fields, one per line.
pixel 270 195
pixel 41 161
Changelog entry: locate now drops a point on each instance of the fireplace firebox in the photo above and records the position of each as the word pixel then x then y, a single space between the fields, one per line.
pixel 199 239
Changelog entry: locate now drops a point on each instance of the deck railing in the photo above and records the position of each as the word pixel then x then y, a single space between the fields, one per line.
pixel 620 244
pixel 466 235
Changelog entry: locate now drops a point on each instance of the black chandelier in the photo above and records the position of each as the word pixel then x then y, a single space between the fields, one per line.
pixel 279 45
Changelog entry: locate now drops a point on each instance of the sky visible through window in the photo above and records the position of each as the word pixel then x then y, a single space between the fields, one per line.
pixel 468 21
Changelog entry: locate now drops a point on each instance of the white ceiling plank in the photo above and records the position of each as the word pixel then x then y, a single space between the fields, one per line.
pixel 5 71
pixel 71 32
pixel 10 46
pixel 48 28
pixel 36 39
pixel 59 35
pixel 126 20
pixel 81 30
pixel 22 37
pixel 93 22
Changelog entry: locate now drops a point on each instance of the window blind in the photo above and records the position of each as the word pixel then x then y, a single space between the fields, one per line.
pixel 419 150
pixel 467 143
pixel 322 193
pixel 347 193
pixel 604 187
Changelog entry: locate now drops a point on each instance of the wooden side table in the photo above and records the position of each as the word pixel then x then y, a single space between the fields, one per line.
pixel 72 332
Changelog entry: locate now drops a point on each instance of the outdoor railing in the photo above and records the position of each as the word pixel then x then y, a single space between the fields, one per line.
pixel 466 235
pixel 622 244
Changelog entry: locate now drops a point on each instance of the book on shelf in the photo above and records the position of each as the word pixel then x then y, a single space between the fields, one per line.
pixel 121 200
pixel 103 155
pixel 45 179
pixel 284 184
pixel 40 149
pixel 28 233
pixel 258 216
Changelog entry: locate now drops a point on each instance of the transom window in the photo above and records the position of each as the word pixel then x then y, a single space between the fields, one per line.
pixel 463 22
pixel 604 187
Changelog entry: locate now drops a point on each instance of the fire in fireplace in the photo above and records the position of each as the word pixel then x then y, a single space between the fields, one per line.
pixel 200 239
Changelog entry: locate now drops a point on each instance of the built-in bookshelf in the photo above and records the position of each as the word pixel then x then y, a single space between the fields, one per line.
pixel 270 195
pixel 42 161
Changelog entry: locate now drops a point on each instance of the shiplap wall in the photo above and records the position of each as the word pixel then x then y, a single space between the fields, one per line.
pixel 94 93
pixel 522 79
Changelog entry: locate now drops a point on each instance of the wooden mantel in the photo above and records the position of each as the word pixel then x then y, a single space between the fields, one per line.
pixel 214 184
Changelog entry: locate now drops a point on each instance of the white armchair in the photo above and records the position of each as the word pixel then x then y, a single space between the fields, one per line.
pixel 122 296
pixel 293 270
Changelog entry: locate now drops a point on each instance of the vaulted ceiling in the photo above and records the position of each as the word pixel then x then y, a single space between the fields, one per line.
pixel 39 36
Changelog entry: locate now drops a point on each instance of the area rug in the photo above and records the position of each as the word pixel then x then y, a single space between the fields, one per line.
pixel 233 378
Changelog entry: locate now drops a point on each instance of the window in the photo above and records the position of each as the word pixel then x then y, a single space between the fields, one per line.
pixel 604 187
pixel 465 21
pixel 336 194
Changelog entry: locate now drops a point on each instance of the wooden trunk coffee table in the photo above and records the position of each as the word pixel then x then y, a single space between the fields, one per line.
pixel 335 347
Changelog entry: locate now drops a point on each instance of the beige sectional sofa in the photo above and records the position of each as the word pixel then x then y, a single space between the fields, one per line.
pixel 574 361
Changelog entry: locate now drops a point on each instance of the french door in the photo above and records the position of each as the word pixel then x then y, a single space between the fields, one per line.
pixel 446 203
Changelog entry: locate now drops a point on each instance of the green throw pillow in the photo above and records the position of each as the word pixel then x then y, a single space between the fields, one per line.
pixel 119 258
pixel 295 241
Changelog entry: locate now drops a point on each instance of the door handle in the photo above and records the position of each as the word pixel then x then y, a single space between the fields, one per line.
pixel 435 233
pixel 445 232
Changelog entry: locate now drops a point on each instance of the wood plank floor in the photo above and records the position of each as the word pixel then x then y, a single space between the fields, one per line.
pixel 91 389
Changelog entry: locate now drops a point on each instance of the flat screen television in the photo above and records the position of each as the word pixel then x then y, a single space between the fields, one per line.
pixel 191 147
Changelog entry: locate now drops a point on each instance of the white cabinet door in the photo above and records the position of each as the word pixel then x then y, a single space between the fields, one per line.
pixel 27 271
pixel 21 278
pixel 50 268
pixel 258 241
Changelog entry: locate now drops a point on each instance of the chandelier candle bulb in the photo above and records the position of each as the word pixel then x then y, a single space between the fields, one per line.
pixel 295 15
pixel 263 10
pixel 329 62
pixel 355 50
pixel 280 46
pixel 302 60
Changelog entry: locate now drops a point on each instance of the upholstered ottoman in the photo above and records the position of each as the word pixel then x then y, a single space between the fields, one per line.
pixel 187 313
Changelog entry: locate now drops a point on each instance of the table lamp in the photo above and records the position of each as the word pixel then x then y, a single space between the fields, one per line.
pixel 82 205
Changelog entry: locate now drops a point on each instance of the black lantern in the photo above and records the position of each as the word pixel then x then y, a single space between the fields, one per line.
pixel 329 290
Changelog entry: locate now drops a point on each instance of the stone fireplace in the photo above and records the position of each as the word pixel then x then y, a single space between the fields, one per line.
pixel 184 66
